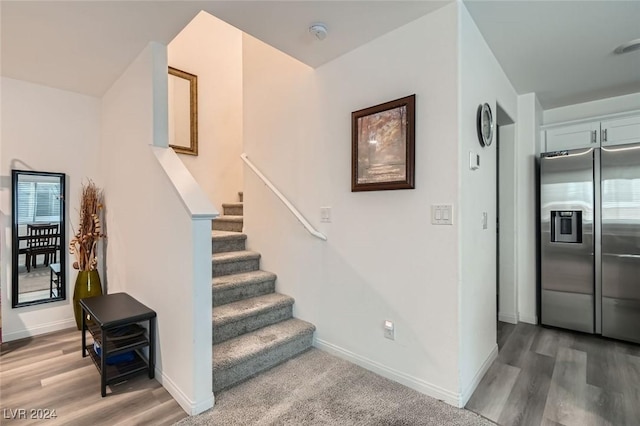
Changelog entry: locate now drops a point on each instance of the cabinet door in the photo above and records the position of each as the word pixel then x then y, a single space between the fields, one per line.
pixel 584 135
pixel 621 131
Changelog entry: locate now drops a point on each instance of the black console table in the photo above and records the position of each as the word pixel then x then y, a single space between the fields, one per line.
pixel 108 313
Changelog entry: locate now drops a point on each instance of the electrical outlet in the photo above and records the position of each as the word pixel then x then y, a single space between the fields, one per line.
pixel 389 330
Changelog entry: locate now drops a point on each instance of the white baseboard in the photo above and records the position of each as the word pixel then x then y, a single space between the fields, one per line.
pixel 478 376
pixel 415 383
pixel 529 319
pixel 510 318
pixel 37 330
pixel 190 407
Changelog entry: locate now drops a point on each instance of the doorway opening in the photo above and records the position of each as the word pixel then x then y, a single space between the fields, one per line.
pixel 506 290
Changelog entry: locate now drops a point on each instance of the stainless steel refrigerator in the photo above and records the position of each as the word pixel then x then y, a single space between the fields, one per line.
pixel 590 240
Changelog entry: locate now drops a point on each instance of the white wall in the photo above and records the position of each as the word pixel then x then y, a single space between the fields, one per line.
pixel 481 80
pixel 613 105
pixel 508 302
pixel 527 151
pixel 383 259
pixel 44 129
pixel 212 49
pixel 156 252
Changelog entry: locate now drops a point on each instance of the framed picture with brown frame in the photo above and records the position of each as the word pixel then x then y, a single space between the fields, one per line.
pixel 183 111
pixel 383 146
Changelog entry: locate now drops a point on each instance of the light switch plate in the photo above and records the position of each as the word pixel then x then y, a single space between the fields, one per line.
pixel 442 214
pixel 325 214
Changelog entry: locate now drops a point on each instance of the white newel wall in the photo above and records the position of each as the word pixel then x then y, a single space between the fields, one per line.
pixel 155 248
pixel 383 259
pixel 212 49
pixel 50 130
pixel 481 80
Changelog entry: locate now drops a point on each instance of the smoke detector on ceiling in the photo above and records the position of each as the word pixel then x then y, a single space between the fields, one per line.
pixel 319 31
pixel 629 46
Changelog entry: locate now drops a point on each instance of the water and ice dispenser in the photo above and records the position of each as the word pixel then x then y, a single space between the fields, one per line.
pixel 566 226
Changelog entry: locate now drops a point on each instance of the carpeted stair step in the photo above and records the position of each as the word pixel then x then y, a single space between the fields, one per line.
pixel 233 319
pixel 234 209
pixel 231 288
pixel 235 262
pixel 245 356
pixel 227 223
pixel 224 241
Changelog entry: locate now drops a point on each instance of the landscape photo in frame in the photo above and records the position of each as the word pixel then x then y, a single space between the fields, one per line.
pixel 383 145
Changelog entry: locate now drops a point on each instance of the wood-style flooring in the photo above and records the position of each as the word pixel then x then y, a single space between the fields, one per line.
pixel 49 373
pixel 545 376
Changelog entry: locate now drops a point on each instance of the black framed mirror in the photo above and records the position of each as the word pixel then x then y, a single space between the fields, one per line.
pixel 38 237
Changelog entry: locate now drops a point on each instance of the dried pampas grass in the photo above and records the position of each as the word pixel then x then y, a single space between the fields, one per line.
pixel 84 244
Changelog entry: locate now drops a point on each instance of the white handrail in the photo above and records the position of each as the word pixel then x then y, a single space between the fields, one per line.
pixel 282 198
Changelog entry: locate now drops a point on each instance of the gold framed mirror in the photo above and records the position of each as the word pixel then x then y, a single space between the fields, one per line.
pixel 183 111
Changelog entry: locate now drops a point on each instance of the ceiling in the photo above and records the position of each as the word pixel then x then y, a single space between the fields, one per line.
pixel 562 50
pixel 83 46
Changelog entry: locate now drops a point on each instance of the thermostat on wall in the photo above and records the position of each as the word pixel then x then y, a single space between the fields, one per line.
pixel 474 161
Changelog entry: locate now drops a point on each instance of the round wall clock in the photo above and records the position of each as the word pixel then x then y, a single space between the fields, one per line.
pixel 485 125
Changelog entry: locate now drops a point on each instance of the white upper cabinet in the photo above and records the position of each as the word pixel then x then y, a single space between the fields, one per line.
pixel 596 133
pixel 620 131
pixel 583 135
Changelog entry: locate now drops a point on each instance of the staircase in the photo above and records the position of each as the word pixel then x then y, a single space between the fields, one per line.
pixel 253 326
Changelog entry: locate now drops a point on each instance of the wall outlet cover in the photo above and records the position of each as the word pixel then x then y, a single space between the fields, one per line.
pixel 389 330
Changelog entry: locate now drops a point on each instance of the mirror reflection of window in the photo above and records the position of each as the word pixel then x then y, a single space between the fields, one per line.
pixel 39 201
pixel 38 232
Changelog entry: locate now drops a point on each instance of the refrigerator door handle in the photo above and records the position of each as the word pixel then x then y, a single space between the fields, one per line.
pixel 623 256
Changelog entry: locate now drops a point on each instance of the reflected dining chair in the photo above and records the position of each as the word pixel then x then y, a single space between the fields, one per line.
pixel 43 239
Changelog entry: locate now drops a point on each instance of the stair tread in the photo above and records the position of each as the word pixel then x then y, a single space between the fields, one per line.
pixel 236 311
pixel 229 218
pixel 234 351
pixel 232 256
pixel 234 204
pixel 232 280
pixel 227 235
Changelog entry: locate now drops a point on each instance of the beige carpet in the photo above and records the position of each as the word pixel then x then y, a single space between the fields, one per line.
pixel 316 388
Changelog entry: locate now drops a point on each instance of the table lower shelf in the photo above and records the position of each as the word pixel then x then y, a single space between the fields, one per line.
pixel 117 345
pixel 120 371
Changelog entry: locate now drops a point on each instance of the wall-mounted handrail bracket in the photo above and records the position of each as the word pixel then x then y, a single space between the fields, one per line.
pixel 284 200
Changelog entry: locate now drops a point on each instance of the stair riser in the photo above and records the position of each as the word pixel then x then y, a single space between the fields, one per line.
pixel 218 225
pixel 254 322
pixel 236 267
pixel 233 210
pixel 227 377
pixel 222 297
pixel 223 246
